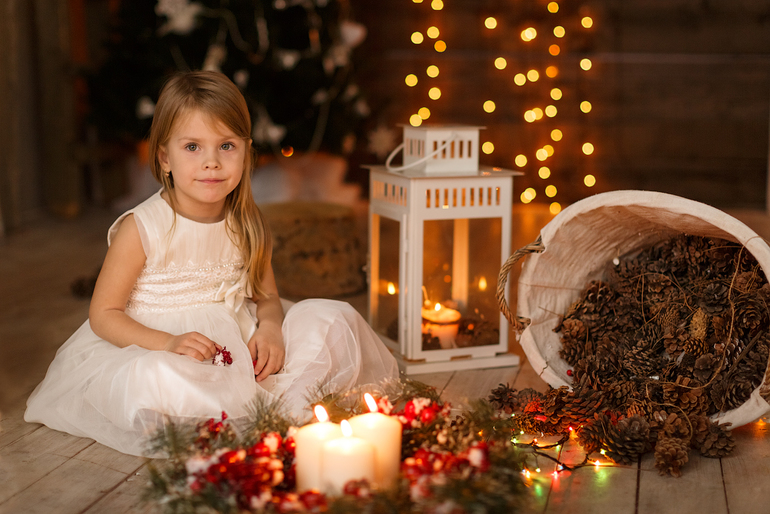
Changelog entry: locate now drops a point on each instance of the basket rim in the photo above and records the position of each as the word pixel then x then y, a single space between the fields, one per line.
pixel 618 201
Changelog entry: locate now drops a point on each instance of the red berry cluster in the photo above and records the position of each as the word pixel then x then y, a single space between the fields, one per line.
pixel 209 431
pixel 419 412
pixel 427 468
pixel 249 474
pixel 223 357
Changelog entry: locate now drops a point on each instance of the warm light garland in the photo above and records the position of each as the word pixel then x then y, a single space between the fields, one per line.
pixel 550 35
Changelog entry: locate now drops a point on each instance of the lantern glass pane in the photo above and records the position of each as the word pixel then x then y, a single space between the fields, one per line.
pixel 387 282
pixel 461 261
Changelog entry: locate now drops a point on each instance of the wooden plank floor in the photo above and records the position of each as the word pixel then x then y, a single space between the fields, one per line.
pixel 42 470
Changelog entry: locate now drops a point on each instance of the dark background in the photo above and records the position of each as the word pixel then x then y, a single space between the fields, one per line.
pixel 680 92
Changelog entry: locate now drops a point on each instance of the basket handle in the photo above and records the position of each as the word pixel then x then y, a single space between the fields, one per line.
pixel 517 322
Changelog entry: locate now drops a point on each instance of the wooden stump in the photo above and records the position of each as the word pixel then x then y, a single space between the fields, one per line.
pixel 316 249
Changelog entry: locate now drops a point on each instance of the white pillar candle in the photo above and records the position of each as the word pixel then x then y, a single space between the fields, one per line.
pixel 441 322
pixel 309 442
pixel 384 433
pixel 344 459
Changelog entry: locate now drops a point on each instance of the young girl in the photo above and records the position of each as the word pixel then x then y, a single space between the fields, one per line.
pixel 182 274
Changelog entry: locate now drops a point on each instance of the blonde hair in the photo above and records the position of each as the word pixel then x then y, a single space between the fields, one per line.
pixel 213 94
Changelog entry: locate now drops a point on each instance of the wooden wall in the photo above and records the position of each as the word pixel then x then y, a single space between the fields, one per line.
pixel 680 89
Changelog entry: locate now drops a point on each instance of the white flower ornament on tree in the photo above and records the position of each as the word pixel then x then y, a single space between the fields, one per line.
pixel 181 14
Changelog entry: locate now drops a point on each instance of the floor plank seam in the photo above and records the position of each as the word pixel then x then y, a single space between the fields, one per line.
pixel 78 452
pixel 17 493
pixel 111 489
pixel 20 438
pixel 724 486
pixel 638 482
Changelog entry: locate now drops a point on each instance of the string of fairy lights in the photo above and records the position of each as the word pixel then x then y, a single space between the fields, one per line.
pixel 555 35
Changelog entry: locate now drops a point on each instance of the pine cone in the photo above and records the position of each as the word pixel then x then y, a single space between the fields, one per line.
pixel 644 408
pixel 640 361
pixel 627 440
pixel 750 315
pixel 747 281
pixel 674 340
pixel 553 409
pixel 687 395
pixel 677 426
pixel 503 397
pixel 696 347
pixel 699 325
pixel 711 439
pixel 715 298
pixel 721 327
pixel 572 351
pixel 705 366
pixel 718 391
pixel 738 391
pixel 659 289
pixel 670 455
pixel 668 319
pixel 598 292
pixel 578 409
pixel 619 393
pixel 592 434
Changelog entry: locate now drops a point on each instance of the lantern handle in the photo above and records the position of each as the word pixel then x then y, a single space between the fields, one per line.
pixel 518 323
pixel 442 146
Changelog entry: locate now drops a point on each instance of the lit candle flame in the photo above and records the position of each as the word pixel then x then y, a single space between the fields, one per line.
pixel 370 402
pixel 391 288
pixel 347 430
pixel 482 284
pixel 437 307
pixel 321 413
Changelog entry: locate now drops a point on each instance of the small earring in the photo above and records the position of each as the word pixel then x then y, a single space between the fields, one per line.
pixel 168 173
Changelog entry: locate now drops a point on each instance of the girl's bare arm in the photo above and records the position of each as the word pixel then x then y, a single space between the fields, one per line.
pixel 266 345
pixel 122 266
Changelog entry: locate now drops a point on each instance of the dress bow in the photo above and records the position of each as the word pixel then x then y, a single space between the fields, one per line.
pixel 233 294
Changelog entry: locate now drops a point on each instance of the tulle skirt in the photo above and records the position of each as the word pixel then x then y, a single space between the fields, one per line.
pixel 122 396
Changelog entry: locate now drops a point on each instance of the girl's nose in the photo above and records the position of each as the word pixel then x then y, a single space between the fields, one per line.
pixel 211 161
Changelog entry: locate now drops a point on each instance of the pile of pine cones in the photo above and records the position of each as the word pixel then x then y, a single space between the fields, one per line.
pixel 674 334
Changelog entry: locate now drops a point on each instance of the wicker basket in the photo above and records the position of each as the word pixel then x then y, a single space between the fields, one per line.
pixel 575 248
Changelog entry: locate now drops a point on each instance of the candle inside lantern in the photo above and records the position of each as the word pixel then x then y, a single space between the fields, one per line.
pixel 310 440
pixel 344 459
pixel 384 433
pixel 442 322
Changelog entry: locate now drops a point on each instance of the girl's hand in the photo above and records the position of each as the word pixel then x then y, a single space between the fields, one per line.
pixel 193 344
pixel 266 346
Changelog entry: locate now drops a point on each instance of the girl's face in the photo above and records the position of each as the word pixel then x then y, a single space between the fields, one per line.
pixel 206 160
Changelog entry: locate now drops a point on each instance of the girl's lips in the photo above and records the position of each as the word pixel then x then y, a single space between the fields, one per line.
pixel 211 181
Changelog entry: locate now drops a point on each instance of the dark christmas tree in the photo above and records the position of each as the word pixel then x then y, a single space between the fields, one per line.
pixel 291 59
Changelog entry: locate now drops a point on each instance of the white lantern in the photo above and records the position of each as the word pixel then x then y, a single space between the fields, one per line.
pixel 439 232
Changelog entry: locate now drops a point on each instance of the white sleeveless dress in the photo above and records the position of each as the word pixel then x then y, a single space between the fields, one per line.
pixel 193 281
